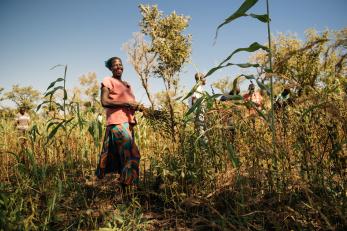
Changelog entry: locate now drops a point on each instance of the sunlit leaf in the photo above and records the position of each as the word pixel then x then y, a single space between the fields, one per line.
pixel 253 47
pixel 54 131
pixel 263 87
pixel 58 65
pixel 40 105
pixel 54 90
pixel 53 83
pixel 242 65
pixel 56 128
pixel 234 97
pixel 51 124
pixel 191 92
pixel 261 17
pixel 246 5
pixel 195 106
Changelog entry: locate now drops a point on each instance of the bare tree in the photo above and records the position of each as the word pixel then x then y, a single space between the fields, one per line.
pixel 142 60
pixel 171 46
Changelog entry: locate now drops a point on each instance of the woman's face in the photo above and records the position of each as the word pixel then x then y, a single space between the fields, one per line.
pixel 117 68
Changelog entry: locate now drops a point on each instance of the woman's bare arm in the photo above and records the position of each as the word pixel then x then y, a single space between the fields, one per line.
pixel 108 103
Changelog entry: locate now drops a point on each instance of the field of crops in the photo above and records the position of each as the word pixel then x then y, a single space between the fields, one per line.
pixel 281 167
pixel 233 181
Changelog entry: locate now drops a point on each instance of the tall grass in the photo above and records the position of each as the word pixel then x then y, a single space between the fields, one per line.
pixel 228 182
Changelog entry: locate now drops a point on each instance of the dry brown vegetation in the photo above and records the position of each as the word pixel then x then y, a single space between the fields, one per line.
pixel 237 175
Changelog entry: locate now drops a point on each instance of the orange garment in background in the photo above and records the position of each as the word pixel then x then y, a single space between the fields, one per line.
pixel 121 92
pixel 257 99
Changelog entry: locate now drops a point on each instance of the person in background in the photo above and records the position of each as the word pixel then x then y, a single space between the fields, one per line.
pixel 119 154
pixel 254 97
pixel 22 121
pixel 199 116
pixel 22 125
pixel 283 99
pixel 201 81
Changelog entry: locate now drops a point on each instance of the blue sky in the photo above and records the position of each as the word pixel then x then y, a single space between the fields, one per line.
pixel 39 34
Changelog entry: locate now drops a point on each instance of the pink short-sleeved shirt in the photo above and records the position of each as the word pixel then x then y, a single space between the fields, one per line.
pixel 121 92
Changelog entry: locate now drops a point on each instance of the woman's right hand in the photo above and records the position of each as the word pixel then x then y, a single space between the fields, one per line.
pixel 135 106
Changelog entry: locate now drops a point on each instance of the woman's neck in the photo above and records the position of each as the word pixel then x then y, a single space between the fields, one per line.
pixel 117 77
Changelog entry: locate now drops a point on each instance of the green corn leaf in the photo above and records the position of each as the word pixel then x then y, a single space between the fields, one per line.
pixel 253 47
pixel 51 124
pixel 80 119
pixel 68 121
pixel 56 128
pixel 191 92
pixel 40 105
pixel 233 156
pixel 242 65
pixel 54 82
pixel 235 82
pixel 54 90
pixel 59 106
pixel 261 17
pixel 263 87
pixel 234 97
pixel 93 131
pixel 54 131
pixel 195 106
pixel 211 97
pixel 250 77
pixel 33 132
pixel 65 94
pixel 246 5
pixel 58 65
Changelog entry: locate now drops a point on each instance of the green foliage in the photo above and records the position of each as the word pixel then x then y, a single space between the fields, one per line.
pixel 95 130
pixel 228 177
pixel 23 96
pixel 253 47
pixel 246 5
pixel 171 47
pixel 307 65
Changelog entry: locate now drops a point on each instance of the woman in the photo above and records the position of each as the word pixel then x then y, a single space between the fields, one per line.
pixel 22 121
pixel 22 125
pixel 119 153
pixel 254 97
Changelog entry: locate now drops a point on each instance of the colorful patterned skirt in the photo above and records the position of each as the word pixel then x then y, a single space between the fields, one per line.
pixel 120 154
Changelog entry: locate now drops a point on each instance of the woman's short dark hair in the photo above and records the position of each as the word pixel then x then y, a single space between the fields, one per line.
pixel 108 63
